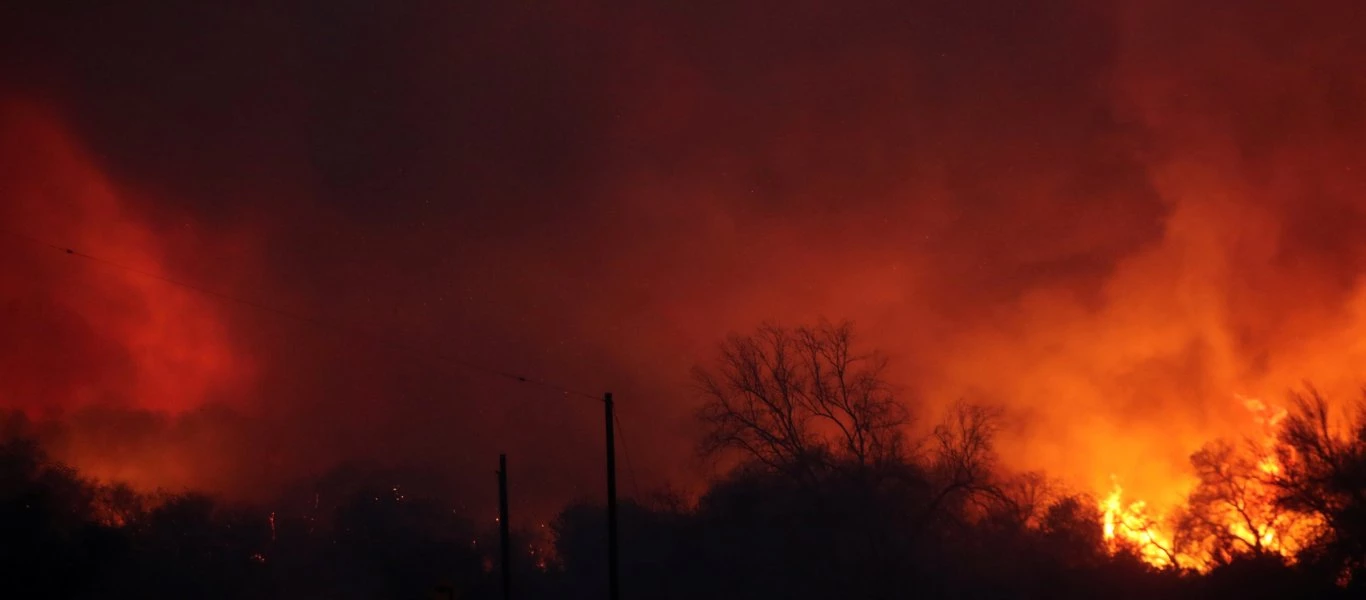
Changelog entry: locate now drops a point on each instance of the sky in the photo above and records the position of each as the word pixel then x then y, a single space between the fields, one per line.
pixel 1118 220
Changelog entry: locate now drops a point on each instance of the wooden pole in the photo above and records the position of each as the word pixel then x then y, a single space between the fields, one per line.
pixel 613 586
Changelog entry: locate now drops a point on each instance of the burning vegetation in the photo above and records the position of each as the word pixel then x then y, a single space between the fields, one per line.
pixel 1254 500
pixel 1071 231
pixel 828 491
pixel 806 403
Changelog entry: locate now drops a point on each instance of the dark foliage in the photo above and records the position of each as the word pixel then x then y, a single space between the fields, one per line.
pixel 68 538
pixel 755 534
pixel 942 521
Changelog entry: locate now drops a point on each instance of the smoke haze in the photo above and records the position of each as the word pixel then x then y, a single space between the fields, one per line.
pixel 1113 218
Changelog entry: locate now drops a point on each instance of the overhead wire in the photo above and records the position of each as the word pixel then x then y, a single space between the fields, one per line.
pixel 311 320
pixel 354 331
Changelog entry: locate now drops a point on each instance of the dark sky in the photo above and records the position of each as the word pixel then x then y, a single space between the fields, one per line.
pixel 1114 218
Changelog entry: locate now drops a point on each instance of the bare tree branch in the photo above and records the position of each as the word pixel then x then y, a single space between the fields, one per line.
pixel 785 397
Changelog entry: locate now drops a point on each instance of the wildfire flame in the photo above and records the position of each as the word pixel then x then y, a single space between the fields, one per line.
pixel 1133 526
pixel 1249 522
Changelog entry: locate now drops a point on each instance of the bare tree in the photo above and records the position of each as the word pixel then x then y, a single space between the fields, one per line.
pixel 1317 461
pixel 1018 500
pixel 962 458
pixel 1323 474
pixel 1233 510
pixel 963 452
pixel 800 397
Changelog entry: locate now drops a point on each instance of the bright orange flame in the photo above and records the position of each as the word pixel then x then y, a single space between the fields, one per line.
pixel 1249 521
pixel 1134 526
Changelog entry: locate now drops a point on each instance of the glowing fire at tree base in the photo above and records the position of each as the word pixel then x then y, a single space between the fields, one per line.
pixel 1231 511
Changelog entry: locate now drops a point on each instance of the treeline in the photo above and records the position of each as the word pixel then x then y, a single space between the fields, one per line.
pixel 828 499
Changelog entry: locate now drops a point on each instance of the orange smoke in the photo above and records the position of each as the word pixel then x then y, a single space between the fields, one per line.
pixel 1112 218
pixel 84 336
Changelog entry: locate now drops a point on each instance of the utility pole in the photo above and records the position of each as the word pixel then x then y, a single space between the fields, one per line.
pixel 613 587
pixel 504 527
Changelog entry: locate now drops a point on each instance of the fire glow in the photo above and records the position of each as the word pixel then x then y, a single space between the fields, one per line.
pixel 1103 219
pixel 180 352
pixel 1241 514
pixel 85 338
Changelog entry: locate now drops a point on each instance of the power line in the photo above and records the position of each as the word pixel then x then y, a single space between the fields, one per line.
pixel 310 320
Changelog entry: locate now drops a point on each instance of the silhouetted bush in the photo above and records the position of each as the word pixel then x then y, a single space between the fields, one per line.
pixel 942 523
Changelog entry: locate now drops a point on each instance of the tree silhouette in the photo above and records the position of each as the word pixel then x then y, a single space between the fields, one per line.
pixel 1233 511
pixel 866 516
pixel 1323 473
pixel 962 457
pixel 795 399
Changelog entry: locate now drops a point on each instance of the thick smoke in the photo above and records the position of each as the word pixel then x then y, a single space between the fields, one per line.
pixel 1112 219
pixel 109 353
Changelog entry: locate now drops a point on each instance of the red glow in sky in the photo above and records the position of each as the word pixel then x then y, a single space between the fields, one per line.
pixel 1111 218
pixel 83 334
